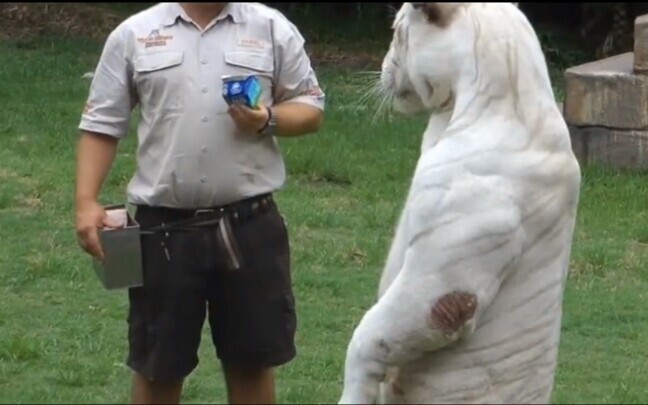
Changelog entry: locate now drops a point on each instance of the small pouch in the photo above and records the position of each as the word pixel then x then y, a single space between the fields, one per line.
pixel 227 242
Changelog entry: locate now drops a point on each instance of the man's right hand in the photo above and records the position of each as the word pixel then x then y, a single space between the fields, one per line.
pixel 90 217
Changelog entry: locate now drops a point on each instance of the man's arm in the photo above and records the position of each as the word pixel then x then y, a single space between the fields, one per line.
pixel 297 119
pixel 106 117
pixel 293 118
pixel 95 155
pixel 104 122
pixel 299 100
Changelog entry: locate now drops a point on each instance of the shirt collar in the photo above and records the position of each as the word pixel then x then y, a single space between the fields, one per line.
pixel 175 11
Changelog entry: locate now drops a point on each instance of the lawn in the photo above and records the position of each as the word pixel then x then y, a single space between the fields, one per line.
pixel 63 338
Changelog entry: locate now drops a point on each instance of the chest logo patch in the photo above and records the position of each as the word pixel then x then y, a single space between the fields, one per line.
pixel 154 38
pixel 252 43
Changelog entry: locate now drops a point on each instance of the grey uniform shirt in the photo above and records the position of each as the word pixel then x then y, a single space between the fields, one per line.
pixel 190 153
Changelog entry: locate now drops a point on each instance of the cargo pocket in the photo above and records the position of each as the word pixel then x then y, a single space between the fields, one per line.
pixel 159 76
pixel 247 63
pixel 259 64
pixel 290 315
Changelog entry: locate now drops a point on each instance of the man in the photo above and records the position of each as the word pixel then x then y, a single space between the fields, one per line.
pixel 199 159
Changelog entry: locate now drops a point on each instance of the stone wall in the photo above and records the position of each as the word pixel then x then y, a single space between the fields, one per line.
pixel 606 107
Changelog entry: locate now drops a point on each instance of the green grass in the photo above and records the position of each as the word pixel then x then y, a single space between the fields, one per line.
pixel 63 338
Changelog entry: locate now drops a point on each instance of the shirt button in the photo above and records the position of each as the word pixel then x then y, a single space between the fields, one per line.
pixel 204 119
pixel 204 149
pixel 204 61
pixel 203 179
pixel 204 89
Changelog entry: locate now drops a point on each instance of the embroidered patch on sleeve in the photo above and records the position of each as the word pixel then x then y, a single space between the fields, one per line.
pixel 312 89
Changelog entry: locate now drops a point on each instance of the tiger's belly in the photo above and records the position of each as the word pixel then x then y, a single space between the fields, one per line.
pixel 511 358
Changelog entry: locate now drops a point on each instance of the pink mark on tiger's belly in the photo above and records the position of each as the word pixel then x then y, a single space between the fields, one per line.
pixel 453 310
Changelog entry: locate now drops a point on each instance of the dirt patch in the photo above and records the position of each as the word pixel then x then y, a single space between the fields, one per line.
pixel 27 20
pixel 331 55
pixel 23 21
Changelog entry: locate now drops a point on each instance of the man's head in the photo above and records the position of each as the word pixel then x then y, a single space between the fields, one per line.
pixel 208 7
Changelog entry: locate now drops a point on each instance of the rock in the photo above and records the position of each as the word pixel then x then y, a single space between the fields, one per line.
pixel 613 148
pixel 606 107
pixel 607 93
pixel 641 44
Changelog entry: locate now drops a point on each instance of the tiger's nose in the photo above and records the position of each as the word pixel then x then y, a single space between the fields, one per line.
pixel 403 93
pixel 387 79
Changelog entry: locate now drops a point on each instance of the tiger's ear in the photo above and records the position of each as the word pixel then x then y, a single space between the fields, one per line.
pixel 437 13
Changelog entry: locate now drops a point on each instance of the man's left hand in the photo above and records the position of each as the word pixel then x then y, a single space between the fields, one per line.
pixel 248 119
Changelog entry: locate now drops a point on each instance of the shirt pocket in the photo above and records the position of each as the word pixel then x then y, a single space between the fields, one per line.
pixel 158 76
pixel 259 64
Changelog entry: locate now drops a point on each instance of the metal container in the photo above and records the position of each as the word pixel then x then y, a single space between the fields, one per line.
pixel 122 264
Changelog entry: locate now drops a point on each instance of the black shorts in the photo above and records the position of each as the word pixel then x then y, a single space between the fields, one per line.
pixel 189 277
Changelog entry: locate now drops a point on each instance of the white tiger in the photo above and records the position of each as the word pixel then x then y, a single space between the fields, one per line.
pixel 470 300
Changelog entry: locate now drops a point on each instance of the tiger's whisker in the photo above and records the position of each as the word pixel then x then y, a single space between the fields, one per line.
pixel 372 93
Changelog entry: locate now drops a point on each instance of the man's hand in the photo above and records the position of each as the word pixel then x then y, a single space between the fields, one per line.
pixel 90 217
pixel 247 119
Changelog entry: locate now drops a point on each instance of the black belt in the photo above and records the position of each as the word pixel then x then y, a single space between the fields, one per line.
pixel 191 220
pixel 239 211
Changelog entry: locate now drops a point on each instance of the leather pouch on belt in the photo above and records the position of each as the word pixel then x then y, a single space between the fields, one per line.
pixel 227 242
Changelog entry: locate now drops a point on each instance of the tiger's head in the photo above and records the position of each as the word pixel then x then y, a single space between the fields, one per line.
pixel 436 44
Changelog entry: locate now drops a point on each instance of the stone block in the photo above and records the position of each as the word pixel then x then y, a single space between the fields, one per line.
pixel 641 44
pixel 607 93
pixel 612 148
